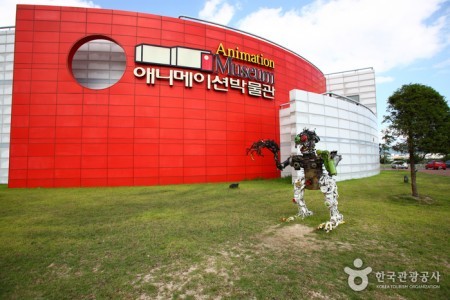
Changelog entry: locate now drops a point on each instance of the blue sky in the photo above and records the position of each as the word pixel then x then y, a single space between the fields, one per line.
pixel 405 41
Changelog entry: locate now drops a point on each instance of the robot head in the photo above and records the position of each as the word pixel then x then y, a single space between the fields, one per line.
pixel 307 139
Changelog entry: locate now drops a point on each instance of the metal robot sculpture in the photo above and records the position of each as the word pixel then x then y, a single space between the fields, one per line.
pixel 315 171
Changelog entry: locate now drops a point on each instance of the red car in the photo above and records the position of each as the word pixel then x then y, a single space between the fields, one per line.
pixel 436 165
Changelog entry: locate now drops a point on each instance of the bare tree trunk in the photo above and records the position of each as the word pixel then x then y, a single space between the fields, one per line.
pixel 412 165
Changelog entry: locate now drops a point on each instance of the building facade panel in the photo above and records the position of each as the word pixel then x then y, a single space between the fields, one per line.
pixel 359 85
pixel 175 124
pixel 355 138
pixel 7 39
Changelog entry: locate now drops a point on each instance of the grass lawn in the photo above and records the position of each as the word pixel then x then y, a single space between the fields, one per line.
pixel 208 241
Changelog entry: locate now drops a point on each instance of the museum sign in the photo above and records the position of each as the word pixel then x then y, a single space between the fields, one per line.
pixel 220 71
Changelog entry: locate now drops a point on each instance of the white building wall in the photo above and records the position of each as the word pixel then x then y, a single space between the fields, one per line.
pixel 345 126
pixel 355 83
pixel 6 76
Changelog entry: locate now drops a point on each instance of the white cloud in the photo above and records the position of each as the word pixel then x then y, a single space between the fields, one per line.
pixel 341 35
pixel 8 7
pixel 217 11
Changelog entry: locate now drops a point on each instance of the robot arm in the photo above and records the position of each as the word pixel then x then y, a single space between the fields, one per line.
pixel 330 160
pixel 273 147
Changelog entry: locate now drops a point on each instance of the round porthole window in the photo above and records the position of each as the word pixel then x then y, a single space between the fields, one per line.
pixel 98 64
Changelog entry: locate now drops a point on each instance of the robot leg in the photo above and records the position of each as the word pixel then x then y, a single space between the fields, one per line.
pixel 329 188
pixel 299 190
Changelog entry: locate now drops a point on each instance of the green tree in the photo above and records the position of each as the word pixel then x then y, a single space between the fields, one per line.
pixel 419 122
pixel 385 147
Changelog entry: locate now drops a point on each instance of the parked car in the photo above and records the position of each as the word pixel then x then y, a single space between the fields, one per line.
pixel 399 165
pixel 436 165
pixel 447 163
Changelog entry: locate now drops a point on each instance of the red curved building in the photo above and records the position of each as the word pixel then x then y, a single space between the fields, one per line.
pixel 175 101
